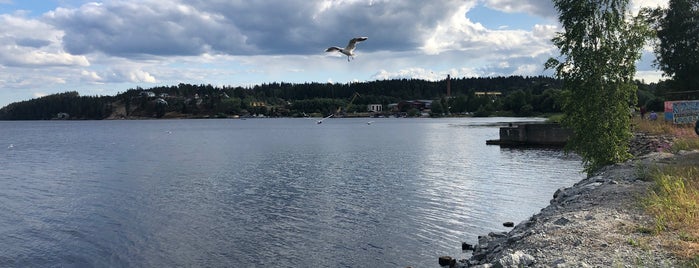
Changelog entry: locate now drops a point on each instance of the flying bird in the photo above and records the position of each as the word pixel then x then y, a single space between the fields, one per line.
pixel 321 120
pixel 349 49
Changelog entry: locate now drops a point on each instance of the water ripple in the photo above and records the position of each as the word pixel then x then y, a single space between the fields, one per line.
pixel 277 192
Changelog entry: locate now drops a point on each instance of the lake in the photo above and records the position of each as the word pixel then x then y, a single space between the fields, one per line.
pixel 263 192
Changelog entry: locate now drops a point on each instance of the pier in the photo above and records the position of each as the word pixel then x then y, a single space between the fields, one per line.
pixel 533 134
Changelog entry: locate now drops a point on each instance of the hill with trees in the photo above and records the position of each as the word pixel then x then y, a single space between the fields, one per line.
pixel 519 96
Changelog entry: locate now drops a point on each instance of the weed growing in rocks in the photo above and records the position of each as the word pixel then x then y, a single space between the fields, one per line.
pixel 674 202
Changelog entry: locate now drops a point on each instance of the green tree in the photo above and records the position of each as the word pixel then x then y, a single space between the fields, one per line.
pixel 515 101
pixel 229 106
pixel 437 108
pixel 599 48
pixel 677 53
pixel 458 104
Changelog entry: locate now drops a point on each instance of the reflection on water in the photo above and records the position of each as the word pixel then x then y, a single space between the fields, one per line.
pixel 272 192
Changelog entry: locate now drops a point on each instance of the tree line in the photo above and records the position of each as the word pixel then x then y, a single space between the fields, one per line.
pixel 520 96
pixel 292 99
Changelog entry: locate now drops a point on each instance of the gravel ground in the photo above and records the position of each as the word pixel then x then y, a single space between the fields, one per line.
pixel 598 222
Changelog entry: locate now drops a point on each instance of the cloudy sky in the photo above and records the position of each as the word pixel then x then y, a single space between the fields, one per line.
pixel 106 47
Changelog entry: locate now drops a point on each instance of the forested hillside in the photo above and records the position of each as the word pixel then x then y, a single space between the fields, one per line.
pixel 519 96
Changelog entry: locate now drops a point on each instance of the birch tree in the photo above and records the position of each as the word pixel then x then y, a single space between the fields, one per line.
pixel 599 48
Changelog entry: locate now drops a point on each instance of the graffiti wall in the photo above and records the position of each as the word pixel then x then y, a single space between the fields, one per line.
pixel 682 112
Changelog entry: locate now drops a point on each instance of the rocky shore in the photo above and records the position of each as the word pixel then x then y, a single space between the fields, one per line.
pixel 598 222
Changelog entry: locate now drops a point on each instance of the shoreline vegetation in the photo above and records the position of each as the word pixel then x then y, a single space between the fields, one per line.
pixel 640 213
pixel 479 97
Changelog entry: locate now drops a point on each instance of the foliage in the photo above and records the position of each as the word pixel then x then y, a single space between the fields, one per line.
pixel 286 99
pixel 677 50
pixel 684 137
pixel 600 49
pixel 674 203
pixel 685 144
pixel 437 108
pixel 673 200
pixel 49 107
pixel 555 118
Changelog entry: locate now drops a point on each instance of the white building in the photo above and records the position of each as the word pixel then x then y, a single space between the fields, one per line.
pixel 375 108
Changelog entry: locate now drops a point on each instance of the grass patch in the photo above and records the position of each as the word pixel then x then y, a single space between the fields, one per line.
pixel 656 127
pixel 685 139
pixel 685 144
pixel 554 118
pixel 692 262
pixel 674 199
pixel 662 127
pixel 674 203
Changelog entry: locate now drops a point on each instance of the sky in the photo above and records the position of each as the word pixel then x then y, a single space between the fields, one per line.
pixel 107 47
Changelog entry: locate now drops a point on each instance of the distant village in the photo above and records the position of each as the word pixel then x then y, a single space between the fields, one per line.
pixel 502 96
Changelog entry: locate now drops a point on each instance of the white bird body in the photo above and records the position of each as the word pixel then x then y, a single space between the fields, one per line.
pixel 321 120
pixel 349 49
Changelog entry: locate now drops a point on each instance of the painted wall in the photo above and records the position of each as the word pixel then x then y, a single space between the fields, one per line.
pixel 682 112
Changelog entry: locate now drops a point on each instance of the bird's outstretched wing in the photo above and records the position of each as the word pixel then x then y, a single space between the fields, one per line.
pixel 321 120
pixel 353 42
pixel 331 49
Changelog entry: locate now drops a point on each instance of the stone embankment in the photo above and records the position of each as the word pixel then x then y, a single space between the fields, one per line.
pixel 598 222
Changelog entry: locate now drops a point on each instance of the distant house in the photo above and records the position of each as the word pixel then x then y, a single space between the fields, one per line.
pixel 375 108
pixel 413 104
pixel 257 104
pixel 488 93
pixel 62 116
pixel 160 101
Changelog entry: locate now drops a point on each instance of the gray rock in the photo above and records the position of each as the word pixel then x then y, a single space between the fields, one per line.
pixel 466 246
pixel 561 221
pixel 561 191
pixel 516 259
pixel 580 227
pixel 516 237
pixel 447 260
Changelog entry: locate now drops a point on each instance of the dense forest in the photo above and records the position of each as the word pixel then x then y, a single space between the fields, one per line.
pixel 519 96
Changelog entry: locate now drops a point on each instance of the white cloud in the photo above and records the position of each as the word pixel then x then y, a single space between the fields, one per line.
pixel 138 76
pixel 139 28
pixel 90 76
pixel 452 32
pixel 119 75
pixel 126 43
pixel 14 56
pixel 650 76
pixel 39 94
pixel 425 74
pixel 543 8
pixel 31 43
pixel 29 79
pixel 636 5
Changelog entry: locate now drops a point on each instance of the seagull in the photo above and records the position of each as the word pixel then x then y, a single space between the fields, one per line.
pixel 349 49
pixel 321 120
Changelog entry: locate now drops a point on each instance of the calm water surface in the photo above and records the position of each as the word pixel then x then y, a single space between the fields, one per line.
pixel 262 192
